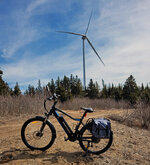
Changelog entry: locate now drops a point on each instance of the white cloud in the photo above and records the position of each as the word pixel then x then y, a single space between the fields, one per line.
pixel 31 69
pixel 23 32
pixel 120 33
pixel 35 4
pixel 125 29
pixel 24 37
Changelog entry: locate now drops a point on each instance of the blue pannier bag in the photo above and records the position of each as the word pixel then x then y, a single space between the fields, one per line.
pixel 101 128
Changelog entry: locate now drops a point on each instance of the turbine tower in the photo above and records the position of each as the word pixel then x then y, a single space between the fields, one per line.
pixel 84 37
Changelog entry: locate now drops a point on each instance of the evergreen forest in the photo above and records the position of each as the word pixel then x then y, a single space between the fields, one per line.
pixel 71 87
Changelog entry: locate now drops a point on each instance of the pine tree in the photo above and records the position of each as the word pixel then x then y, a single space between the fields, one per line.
pixel 66 83
pixel 62 92
pixel 57 82
pixel 4 88
pixel 76 86
pixel 118 93
pixel 17 90
pixel 145 94
pixel 39 88
pixel 30 91
pixel 130 90
pixel 112 91
pixel 92 91
pixel 52 86
pixel 104 92
pixel 142 88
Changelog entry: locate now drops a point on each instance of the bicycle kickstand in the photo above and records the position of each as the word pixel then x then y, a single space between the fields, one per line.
pixel 86 153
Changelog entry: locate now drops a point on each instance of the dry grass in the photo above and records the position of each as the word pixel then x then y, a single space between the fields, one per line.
pixel 142 113
pixel 14 106
pixel 23 105
pixel 138 117
pixel 130 146
pixel 98 104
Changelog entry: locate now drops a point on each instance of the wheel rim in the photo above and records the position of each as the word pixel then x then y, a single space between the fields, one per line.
pixel 34 137
pixel 92 144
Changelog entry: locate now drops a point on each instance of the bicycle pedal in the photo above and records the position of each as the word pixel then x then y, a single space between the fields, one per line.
pixel 65 138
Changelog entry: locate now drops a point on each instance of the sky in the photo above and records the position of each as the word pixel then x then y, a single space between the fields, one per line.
pixel 31 49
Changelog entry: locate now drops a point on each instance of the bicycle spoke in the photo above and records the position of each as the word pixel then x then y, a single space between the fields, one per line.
pixel 91 144
pixel 35 137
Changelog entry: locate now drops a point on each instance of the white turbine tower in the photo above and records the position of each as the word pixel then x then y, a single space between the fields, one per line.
pixel 84 37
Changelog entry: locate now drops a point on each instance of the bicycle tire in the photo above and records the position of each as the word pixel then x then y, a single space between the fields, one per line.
pixel 85 133
pixel 30 129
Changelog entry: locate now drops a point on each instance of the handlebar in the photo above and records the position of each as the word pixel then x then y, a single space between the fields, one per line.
pixel 53 97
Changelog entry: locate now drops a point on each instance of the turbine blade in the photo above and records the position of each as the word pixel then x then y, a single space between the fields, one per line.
pixel 95 51
pixel 71 33
pixel 89 22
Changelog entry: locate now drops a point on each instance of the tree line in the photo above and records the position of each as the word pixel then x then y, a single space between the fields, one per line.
pixel 70 87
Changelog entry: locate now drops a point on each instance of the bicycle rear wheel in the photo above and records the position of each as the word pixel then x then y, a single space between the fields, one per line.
pixel 38 135
pixel 91 144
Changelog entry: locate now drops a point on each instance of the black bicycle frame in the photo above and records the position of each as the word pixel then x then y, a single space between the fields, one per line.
pixel 72 136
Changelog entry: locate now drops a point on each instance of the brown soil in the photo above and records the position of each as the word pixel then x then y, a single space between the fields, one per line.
pixel 130 145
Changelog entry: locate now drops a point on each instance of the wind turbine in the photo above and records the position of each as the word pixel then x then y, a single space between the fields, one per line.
pixel 84 37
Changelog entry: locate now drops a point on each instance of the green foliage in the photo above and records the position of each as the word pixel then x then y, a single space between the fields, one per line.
pixel 130 90
pixel 76 86
pixel 92 90
pixel 104 92
pixel 145 94
pixel 39 88
pixel 17 90
pixel 69 87
pixel 52 86
pixel 118 93
pixel 4 88
pixel 30 91
pixel 1 72
pixel 113 92
pixel 63 93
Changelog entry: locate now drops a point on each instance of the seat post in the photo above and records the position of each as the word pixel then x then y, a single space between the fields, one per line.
pixel 83 115
pixel 81 120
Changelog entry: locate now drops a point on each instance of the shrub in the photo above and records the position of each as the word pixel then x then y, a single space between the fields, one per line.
pixel 34 104
pixel 139 117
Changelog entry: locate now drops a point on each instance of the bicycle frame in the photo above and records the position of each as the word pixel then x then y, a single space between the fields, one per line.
pixel 87 142
pixel 72 136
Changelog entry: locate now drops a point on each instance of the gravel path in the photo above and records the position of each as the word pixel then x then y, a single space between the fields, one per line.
pixel 130 146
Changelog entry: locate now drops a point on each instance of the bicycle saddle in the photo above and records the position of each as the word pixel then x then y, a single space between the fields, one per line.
pixel 90 110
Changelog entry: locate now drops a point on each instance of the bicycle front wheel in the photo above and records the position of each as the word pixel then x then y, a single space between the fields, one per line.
pixel 37 134
pixel 91 144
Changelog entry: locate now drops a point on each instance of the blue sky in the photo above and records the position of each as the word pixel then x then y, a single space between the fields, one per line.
pixel 31 49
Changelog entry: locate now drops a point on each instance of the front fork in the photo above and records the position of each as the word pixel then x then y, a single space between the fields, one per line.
pixel 43 124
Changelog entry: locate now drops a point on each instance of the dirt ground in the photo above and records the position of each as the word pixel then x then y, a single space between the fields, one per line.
pixel 130 145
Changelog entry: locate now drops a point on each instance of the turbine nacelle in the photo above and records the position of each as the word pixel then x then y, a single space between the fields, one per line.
pixel 84 37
